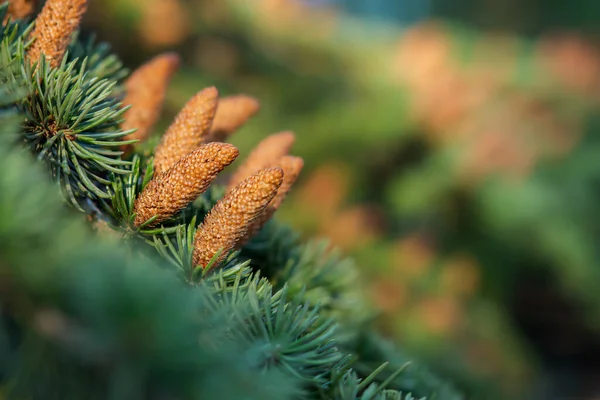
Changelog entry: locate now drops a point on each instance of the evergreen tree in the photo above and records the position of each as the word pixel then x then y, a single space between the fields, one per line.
pixel 155 281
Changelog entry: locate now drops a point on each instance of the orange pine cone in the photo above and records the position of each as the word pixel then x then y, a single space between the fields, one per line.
pixel 266 154
pixel 232 216
pixel 189 130
pixel 232 113
pixel 291 166
pixel 146 89
pixel 19 9
pixel 170 192
pixel 54 28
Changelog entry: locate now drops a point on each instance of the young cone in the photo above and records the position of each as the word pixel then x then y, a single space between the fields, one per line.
pixel 19 9
pixel 54 27
pixel 170 192
pixel 229 220
pixel 265 154
pixel 291 166
pixel 232 113
pixel 146 89
pixel 188 131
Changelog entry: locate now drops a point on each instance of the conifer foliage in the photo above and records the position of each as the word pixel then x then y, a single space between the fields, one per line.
pixel 171 287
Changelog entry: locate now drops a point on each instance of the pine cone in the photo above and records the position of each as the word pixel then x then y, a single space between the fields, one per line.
pixel 54 28
pixel 232 113
pixel 291 166
pixel 230 218
pixel 146 89
pixel 19 9
pixel 170 192
pixel 188 131
pixel 264 155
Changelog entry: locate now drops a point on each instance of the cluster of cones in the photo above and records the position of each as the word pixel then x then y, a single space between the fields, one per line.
pixel 192 151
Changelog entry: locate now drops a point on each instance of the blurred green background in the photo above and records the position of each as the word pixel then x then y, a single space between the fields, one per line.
pixel 451 147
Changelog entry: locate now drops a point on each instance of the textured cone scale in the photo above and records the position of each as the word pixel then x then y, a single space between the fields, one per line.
pixel 229 220
pixel 146 89
pixel 291 166
pixel 190 128
pixel 19 9
pixel 232 113
pixel 170 192
pixel 265 154
pixel 54 27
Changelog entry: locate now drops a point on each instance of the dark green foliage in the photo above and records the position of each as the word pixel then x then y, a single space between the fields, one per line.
pixel 86 316
pixel 71 115
pixel 101 63
pixel 73 123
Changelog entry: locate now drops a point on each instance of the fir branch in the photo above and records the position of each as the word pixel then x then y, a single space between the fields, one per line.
pixel 125 189
pixel 146 89
pixel 288 335
pixel 273 249
pixel 232 113
pixel 12 34
pixel 12 81
pixel 178 251
pixel 108 319
pixel 170 192
pixel 370 348
pixel 276 329
pixel 266 154
pixel 231 217
pixel 314 269
pixel 328 279
pixel 188 131
pixel 99 323
pixel 73 124
pixel 350 387
pixel 232 282
pixel 54 29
